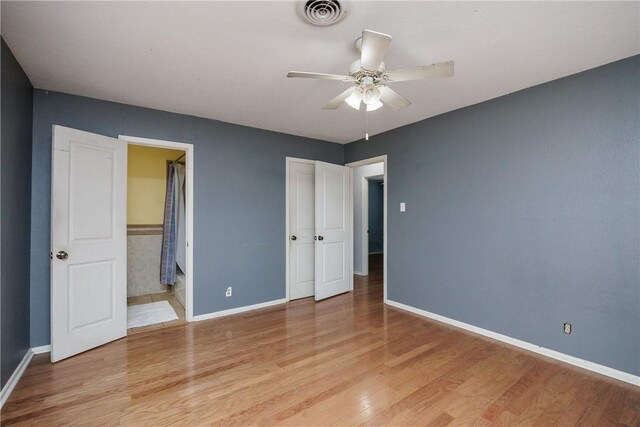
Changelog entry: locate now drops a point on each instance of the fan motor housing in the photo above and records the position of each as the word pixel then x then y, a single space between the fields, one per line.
pixel 322 12
pixel 359 74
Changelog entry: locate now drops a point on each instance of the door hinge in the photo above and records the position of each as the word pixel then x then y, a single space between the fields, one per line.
pixel 50 255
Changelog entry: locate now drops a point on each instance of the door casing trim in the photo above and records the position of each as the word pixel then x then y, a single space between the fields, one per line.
pixel 352 166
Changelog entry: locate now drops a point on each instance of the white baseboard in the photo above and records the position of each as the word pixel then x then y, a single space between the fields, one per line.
pixel 237 310
pixel 359 273
pixel 15 377
pixel 376 253
pixel 41 349
pixel 572 360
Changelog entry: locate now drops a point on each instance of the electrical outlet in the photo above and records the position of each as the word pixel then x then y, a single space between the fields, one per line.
pixel 229 292
pixel 567 328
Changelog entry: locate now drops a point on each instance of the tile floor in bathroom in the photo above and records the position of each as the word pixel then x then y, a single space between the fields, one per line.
pixel 162 296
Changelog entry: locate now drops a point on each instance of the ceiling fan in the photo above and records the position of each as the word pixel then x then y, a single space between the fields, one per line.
pixel 370 78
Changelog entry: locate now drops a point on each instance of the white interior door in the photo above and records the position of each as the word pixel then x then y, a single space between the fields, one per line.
pixel 332 230
pixel 301 230
pixel 88 241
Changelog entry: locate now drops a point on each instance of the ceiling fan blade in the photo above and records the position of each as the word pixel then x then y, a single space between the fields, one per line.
pixel 440 69
pixel 374 48
pixel 305 75
pixel 339 100
pixel 392 99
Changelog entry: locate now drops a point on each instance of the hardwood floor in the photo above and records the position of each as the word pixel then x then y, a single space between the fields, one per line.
pixel 349 360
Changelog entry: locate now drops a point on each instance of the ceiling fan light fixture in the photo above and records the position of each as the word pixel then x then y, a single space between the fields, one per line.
pixel 371 95
pixel 354 100
pixel 374 107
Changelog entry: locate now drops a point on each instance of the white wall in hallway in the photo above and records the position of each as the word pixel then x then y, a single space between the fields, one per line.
pixel 358 173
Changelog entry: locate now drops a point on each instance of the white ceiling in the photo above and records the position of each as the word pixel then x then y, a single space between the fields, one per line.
pixel 228 60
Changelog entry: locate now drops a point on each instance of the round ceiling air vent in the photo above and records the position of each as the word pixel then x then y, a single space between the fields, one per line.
pixel 322 12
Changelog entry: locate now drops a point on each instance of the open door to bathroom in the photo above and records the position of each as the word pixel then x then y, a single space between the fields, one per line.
pixel 159 219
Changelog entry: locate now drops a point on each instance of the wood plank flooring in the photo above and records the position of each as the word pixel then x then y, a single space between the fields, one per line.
pixel 349 360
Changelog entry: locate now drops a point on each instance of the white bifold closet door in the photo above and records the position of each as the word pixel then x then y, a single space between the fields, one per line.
pixel 88 241
pixel 332 255
pixel 319 221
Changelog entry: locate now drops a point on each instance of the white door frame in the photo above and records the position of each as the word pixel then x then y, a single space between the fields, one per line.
pixel 286 238
pixel 365 222
pixel 188 148
pixel 353 165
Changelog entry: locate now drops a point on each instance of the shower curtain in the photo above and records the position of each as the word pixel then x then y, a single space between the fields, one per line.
pixel 173 232
pixel 181 232
pixel 168 255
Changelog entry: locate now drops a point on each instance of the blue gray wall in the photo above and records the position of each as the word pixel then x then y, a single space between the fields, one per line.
pixel 523 213
pixel 376 216
pixel 239 192
pixel 17 101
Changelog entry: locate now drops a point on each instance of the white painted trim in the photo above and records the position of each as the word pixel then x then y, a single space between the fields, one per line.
pixel 189 208
pixel 350 232
pixel 359 273
pixel 364 162
pixel 237 310
pixel 286 229
pixel 375 253
pixel 572 360
pixel 15 377
pixel 299 160
pixel 41 349
pixel 384 232
pixel 364 200
pixel 353 165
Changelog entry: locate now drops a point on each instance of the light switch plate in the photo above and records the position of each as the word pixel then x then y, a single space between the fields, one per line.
pixel 403 207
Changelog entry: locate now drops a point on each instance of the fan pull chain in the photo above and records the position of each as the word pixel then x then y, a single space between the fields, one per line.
pixel 366 125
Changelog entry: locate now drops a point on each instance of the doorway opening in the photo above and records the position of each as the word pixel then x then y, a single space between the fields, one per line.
pixel 369 207
pixel 159 233
pixel 373 208
pixel 155 237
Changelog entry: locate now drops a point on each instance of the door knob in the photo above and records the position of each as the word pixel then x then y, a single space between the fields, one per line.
pixel 320 238
pixel 62 255
pixel 293 237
